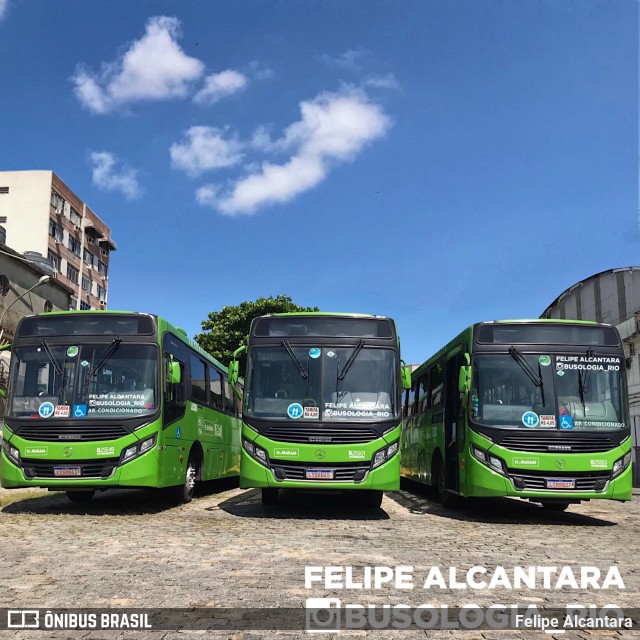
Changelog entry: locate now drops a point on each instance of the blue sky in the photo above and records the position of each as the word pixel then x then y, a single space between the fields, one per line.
pixel 438 162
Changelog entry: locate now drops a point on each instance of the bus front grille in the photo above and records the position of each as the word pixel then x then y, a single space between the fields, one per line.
pixel 311 434
pixel 539 482
pixel 84 433
pixel 341 473
pixel 563 443
pixel 88 468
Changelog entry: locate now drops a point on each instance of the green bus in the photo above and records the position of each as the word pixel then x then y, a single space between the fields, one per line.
pixel 322 405
pixel 105 399
pixel 528 408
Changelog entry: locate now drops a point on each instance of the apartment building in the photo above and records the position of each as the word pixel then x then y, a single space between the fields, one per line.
pixel 41 214
pixel 613 297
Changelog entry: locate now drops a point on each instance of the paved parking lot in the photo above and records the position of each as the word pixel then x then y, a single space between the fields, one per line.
pixel 129 549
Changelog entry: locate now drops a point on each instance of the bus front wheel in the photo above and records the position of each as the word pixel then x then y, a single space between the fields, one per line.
pixel 183 493
pixel 80 496
pixel 269 496
pixel 446 498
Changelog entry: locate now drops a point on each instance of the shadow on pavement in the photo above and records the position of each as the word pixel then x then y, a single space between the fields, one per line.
pixel 418 499
pixel 294 505
pixel 116 502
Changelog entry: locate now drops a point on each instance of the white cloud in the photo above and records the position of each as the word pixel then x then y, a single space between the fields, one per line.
pixel 4 5
pixel 352 60
pixel 105 176
pixel 220 85
pixel 206 148
pixel 334 127
pixel 152 68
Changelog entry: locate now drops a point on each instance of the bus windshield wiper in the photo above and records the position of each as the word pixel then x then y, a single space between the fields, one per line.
pixel 350 361
pixel 582 383
pixel 303 373
pixel 56 365
pixel 111 349
pixel 536 378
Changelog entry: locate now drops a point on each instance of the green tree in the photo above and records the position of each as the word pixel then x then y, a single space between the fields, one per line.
pixel 226 330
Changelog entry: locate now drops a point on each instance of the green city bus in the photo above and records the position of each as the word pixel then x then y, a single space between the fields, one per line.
pixel 322 405
pixel 528 408
pixel 105 399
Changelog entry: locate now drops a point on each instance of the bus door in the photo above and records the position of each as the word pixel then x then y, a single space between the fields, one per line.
pixel 453 427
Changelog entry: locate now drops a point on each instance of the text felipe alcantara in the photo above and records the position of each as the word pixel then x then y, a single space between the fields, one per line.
pixel 324 614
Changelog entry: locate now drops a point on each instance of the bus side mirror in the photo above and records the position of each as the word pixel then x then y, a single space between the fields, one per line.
pixel 173 372
pixel 233 372
pixel 464 378
pixel 405 373
pixel 234 367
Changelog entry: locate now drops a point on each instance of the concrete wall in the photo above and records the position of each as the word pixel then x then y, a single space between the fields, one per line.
pixel 29 199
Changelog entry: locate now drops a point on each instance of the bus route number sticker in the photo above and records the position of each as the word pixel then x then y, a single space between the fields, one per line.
pixel 46 410
pixel 530 419
pixel 295 410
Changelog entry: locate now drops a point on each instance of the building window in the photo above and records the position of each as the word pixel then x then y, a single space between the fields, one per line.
pixel 101 292
pixel 57 202
pixel 55 231
pixel 4 190
pixel 74 246
pixel 86 284
pixel 84 306
pixel 76 218
pixel 55 260
pixel 88 257
pixel 72 273
pixel 102 268
pixel 73 303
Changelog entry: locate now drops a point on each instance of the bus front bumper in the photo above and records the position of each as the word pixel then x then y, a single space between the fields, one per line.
pixel 139 472
pixel 386 477
pixel 489 483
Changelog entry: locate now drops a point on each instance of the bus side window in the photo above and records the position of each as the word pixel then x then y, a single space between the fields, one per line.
pixel 421 393
pixel 198 380
pixel 215 388
pixel 229 399
pixel 409 402
pixel 436 384
pixel 174 396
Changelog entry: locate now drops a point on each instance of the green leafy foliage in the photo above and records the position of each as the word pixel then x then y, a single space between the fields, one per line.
pixel 226 330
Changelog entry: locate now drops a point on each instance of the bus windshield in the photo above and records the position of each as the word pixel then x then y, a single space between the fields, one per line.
pixel 564 392
pixel 83 380
pixel 337 384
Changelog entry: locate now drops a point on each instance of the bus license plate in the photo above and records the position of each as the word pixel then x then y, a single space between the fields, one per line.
pixel 319 474
pixel 66 471
pixel 553 483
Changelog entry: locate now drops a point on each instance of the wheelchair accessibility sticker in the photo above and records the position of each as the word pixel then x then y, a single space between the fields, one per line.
pixel 566 422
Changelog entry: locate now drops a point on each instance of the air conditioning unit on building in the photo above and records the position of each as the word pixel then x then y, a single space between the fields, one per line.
pixel 76 227
pixel 103 304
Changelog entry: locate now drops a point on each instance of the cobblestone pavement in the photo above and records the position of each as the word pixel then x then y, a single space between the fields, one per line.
pixel 130 549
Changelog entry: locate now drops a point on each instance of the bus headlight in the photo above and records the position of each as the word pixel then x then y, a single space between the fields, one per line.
pixel 493 462
pixel 621 464
pixel 11 452
pixel 384 454
pixel 258 454
pixel 138 449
